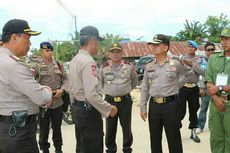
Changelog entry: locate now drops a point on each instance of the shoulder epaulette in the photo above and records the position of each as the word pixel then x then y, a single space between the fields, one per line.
pixel 129 63
pixel 15 58
pixel 105 64
pixel 149 61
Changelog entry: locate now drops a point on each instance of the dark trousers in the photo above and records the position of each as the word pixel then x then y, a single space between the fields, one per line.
pixel 23 142
pixel 88 129
pixel 165 115
pixel 192 96
pixel 124 114
pixel 55 116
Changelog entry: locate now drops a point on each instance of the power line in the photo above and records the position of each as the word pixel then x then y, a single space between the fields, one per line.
pixel 65 8
pixel 70 13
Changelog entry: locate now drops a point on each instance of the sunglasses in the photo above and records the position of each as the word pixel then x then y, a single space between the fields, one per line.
pixel 210 49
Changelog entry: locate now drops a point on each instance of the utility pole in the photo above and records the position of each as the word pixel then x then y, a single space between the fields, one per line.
pixel 70 13
pixel 75 23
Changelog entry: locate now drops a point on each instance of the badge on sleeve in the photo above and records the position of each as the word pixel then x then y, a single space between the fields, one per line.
pixel 94 70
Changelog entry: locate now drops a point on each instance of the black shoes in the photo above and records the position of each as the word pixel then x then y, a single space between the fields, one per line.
pixel 194 136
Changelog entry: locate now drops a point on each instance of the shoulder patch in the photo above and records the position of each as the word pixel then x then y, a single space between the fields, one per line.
pixel 94 70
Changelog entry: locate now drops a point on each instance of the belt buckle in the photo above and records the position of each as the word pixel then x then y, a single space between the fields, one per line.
pixel 189 85
pixel 159 100
pixel 117 99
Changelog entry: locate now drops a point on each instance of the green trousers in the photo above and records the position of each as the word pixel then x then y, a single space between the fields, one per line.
pixel 219 125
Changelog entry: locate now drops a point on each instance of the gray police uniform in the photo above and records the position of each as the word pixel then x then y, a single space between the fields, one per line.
pixel 18 92
pixel 117 81
pixel 88 104
pixel 190 92
pixel 161 84
pixel 54 76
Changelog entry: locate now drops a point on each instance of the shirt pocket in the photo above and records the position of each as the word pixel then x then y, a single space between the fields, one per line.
pixel 171 73
pixel 126 74
pixel 57 71
pixel 151 75
pixel 109 76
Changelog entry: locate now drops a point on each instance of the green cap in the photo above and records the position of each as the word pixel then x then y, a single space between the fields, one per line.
pixel 225 32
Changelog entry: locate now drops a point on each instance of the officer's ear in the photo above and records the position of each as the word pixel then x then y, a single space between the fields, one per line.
pixel 166 48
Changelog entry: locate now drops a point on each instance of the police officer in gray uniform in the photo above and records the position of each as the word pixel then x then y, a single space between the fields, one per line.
pixel 85 92
pixel 20 94
pixel 161 85
pixel 190 91
pixel 118 78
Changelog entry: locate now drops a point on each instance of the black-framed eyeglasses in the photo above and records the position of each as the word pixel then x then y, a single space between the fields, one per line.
pixel 210 49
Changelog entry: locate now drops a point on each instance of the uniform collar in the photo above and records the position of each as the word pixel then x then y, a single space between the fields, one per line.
pixel 221 54
pixel 84 52
pixel 167 60
pixel 7 51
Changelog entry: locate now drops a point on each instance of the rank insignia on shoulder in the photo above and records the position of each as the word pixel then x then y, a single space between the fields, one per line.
pixel 105 64
pixel 15 58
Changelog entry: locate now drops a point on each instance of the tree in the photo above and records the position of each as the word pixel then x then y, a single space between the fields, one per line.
pixel 65 51
pixel 215 25
pixel 35 51
pixel 192 31
pixel 102 52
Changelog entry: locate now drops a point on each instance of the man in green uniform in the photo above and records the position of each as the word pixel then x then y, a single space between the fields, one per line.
pixel 218 83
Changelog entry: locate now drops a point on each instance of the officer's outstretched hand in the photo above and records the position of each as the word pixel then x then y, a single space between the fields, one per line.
pixel 144 116
pixel 113 111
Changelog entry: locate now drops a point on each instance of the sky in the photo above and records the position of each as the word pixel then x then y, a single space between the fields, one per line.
pixel 127 18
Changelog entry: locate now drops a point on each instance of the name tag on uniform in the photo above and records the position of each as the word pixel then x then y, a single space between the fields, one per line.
pixel 221 79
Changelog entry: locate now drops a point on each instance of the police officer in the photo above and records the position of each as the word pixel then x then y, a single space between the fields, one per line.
pixel 51 73
pixel 20 94
pixel 161 85
pixel 88 104
pixel 118 78
pixel 218 83
pixel 190 91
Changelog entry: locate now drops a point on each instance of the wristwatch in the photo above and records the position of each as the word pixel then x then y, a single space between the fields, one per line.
pixel 220 89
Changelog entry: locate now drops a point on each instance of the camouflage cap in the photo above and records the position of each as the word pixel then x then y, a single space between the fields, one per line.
pixel 225 32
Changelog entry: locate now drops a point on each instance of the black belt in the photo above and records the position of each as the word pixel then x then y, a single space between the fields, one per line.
pixel 79 103
pixel 117 99
pixel 83 104
pixel 29 119
pixel 162 100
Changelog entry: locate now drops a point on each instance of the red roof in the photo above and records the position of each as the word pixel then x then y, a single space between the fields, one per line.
pixel 138 49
